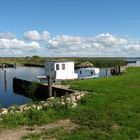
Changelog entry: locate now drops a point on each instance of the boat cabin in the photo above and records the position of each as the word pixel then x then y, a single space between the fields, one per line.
pixel 88 72
pixel 60 70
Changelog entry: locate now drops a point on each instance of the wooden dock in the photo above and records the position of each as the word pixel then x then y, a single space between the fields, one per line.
pixel 37 90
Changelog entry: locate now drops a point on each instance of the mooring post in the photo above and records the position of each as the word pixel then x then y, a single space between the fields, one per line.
pixel 119 69
pixel 106 72
pixel 5 75
pixel 5 82
pixel 15 65
pixel 49 85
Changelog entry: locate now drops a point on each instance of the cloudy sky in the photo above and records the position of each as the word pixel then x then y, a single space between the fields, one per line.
pixel 70 28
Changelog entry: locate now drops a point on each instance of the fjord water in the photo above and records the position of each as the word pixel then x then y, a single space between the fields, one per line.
pixel 7 96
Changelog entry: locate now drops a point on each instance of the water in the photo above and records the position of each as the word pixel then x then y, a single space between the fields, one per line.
pixel 7 96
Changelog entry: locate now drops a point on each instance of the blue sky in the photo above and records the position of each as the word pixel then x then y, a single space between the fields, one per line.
pixel 69 27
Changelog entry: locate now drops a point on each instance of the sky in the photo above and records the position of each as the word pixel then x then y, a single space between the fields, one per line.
pixel 70 28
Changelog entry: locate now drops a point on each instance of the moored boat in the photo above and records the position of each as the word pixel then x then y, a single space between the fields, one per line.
pixel 88 72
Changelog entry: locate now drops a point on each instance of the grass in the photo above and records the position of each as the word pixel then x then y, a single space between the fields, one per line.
pixel 111 110
pixel 32 117
pixel 49 134
pixel 114 110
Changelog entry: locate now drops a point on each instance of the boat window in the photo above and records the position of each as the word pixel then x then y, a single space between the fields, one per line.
pixel 80 72
pixel 92 72
pixel 63 66
pixel 57 66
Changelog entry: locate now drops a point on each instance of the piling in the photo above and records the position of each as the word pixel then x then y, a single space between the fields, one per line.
pixel 4 75
pixel 119 70
pixel 49 85
pixel 5 82
pixel 106 72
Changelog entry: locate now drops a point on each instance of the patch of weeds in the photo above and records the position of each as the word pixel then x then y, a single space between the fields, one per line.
pixel 13 120
pixel 77 134
pixel 32 137
pixel 13 108
pixel 33 117
pixel 64 82
pixel 32 89
pixel 84 134
pixel 46 134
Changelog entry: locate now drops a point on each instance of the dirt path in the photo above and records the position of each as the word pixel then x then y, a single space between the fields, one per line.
pixel 16 134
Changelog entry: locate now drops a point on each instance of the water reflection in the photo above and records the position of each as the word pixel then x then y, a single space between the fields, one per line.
pixel 5 86
pixel 5 81
pixel 7 96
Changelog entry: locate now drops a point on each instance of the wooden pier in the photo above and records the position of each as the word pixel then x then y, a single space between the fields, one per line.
pixel 37 90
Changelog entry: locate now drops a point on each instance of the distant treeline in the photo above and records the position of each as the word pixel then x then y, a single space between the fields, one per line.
pixel 37 60
pixel 102 62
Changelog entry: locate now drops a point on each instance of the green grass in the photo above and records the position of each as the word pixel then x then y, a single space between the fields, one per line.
pixel 114 111
pixel 32 117
pixel 110 111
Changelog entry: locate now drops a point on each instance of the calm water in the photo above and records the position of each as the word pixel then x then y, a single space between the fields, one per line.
pixel 7 96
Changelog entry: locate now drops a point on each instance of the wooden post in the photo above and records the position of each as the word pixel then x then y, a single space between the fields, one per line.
pixel 5 82
pixel 5 75
pixel 116 70
pixel 119 69
pixel 49 85
pixel 106 72
pixel 15 65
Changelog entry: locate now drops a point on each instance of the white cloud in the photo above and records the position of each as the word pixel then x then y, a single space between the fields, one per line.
pixel 45 35
pixel 33 46
pixel 7 35
pixel 67 45
pixel 99 45
pixel 15 47
pixel 36 36
pixel 32 35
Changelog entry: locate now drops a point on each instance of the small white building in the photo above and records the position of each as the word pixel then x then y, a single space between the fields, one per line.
pixel 88 72
pixel 60 70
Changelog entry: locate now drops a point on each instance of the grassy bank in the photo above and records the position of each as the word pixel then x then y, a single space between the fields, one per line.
pixel 114 111
pixel 111 110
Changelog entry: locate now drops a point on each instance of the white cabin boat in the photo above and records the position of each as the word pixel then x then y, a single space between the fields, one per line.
pixel 88 72
pixel 64 70
pixel 60 70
